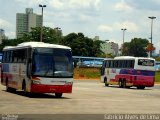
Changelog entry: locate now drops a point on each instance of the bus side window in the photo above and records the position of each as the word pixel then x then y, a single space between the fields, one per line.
pixel 4 56
pixel 120 64
pixel 111 64
pixel 123 64
pixel 107 64
pixel 132 64
pixel 11 56
pixel 15 56
pixel 8 56
pixel 116 63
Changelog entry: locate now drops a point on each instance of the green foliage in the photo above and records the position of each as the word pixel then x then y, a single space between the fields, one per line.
pixel 157 59
pixel 110 55
pixel 137 47
pixel 11 42
pixel 157 77
pixel 49 35
pixel 82 46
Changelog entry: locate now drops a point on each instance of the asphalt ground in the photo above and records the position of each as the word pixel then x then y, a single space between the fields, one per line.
pixel 90 98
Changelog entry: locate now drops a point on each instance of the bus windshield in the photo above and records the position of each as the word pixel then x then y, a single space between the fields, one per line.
pixel 52 62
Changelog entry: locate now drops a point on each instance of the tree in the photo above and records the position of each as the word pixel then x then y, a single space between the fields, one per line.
pixel 49 35
pixel 125 49
pixel 97 49
pixel 82 46
pixel 8 42
pixel 137 47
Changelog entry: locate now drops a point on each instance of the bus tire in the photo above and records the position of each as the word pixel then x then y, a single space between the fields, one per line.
pixel 140 87
pixel 120 84
pixel 105 81
pixel 9 89
pixel 58 95
pixel 124 83
pixel 24 87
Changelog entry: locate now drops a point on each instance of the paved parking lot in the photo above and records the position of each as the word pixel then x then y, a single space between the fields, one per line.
pixel 88 97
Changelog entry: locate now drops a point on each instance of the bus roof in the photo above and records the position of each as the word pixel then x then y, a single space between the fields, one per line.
pixel 130 58
pixel 36 44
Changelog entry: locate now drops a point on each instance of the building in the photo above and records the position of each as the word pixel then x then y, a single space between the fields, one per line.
pixel 110 48
pixel 25 21
pixel 96 38
pixel 2 35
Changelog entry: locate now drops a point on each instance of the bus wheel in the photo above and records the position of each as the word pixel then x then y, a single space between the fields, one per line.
pixel 105 81
pixel 24 87
pixel 140 87
pixel 58 95
pixel 8 89
pixel 120 84
pixel 124 84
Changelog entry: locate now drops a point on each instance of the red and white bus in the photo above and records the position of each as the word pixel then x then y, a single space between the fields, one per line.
pixel 128 71
pixel 38 67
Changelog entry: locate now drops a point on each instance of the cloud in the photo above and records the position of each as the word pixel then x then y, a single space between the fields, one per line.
pixel 130 26
pixel 11 34
pixel 147 5
pixel 5 23
pixel 49 24
pixel 122 6
pixel 85 4
pixel 57 4
pixel 74 4
pixel 31 2
pixel 86 18
pixel 105 28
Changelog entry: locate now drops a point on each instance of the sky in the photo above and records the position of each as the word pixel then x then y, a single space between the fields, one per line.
pixel 103 18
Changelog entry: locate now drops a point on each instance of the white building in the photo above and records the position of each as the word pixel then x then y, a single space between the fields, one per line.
pixel 2 35
pixel 25 21
pixel 110 48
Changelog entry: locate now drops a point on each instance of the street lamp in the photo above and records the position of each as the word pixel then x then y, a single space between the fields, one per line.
pixel 151 31
pixel 123 33
pixel 57 29
pixel 123 29
pixel 42 6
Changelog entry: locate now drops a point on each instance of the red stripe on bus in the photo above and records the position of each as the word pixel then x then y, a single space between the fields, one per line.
pixel 38 88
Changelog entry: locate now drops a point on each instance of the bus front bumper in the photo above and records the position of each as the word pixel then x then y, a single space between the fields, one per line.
pixel 39 88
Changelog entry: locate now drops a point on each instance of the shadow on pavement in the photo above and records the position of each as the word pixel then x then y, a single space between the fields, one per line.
pixel 36 95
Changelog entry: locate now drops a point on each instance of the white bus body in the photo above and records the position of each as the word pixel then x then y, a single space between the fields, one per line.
pixel 38 67
pixel 128 71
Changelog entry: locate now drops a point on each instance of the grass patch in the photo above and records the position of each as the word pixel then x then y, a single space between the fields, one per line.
pixel 87 73
pixel 157 76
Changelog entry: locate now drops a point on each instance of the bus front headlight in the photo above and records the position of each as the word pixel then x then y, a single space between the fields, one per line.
pixel 68 83
pixel 36 82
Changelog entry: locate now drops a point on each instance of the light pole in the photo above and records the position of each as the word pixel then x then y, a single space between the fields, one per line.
pixel 42 6
pixel 123 29
pixel 58 33
pixel 151 31
pixel 57 29
pixel 123 33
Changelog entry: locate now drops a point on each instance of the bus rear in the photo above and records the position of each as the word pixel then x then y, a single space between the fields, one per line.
pixel 128 71
pixel 143 74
